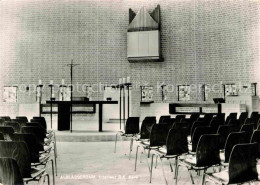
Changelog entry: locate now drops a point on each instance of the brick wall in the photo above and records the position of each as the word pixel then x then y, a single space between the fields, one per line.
pixel 203 42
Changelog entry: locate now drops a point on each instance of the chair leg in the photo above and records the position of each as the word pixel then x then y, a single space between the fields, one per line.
pixel 170 165
pixel 156 162
pixel 203 176
pixel 149 151
pixel 147 160
pixel 163 172
pixel 56 168
pixel 115 143
pixel 191 178
pixel 55 146
pixel 131 147
pixel 176 170
pixel 136 156
pixel 53 176
pixel 176 166
pixel 151 170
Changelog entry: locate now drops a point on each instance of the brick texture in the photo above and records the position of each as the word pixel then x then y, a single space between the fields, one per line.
pixel 202 42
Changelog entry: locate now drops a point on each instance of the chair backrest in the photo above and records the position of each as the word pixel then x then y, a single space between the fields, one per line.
pixel 176 143
pixel 132 125
pixel 215 123
pixel 41 121
pixel 199 131
pixel 224 131
pixel 198 124
pixel 2 137
pixel 254 114
pixel 179 117
pixel 194 116
pixel 23 118
pixel 256 139
pixel 207 153
pixel 6 131
pixel 20 153
pixel 248 129
pixel 243 117
pixel 220 116
pixel 150 119
pixel 242 163
pixel 14 125
pixel 32 145
pixel 233 139
pixel 146 128
pixel 161 120
pixel 166 120
pixel 232 115
pixel 235 123
pixel 10 172
pixel 5 118
pixel 37 131
pixel 2 122
pixel 208 117
pixel 158 134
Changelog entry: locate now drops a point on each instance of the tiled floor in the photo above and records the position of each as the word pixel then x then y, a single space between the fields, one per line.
pixel 83 163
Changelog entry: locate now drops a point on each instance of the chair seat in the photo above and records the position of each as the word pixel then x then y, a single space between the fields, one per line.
pixel 189 147
pixel 222 176
pixel 222 156
pixel 191 160
pixel 189 139
pixel 34 174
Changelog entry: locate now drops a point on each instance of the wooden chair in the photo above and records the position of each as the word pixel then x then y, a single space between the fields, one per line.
pixel 20 153
pixel 157 139
pixel 199 131
pixel 241 169
pixel 243 116
pixel 161 119
pixel 6 131
pixel 187 122
pixel 215 123
pixel 176 145
pixel 233 139
pixel 232 115
pixel 23 118
pixel 207 155
pixel 36 158
pixel 224 131
pixel 9 172
pixel 5 118
pixel 198 124
pixel 131 131
pixel 14 125
pixel 248 129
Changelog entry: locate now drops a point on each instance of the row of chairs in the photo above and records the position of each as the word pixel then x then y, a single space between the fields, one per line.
pixel 156 136
pixel 26 150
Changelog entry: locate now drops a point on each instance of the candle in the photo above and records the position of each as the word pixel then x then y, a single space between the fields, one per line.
pixel 51 82
pixel 123 80
pixel 120 81
pixel 128 79
pixel 62 82
pixel 40 82
pixel 52 95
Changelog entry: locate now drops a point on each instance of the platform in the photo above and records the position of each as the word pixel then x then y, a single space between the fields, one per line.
pixel 87 131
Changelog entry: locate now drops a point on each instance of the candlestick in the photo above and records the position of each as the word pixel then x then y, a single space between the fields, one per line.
pixel 128 79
